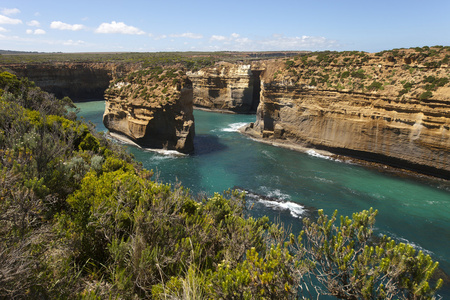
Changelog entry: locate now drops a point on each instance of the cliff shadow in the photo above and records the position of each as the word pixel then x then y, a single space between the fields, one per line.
pixel 256 91
pixel 207 143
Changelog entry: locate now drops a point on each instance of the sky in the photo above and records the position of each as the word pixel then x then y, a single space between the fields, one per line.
pixel 153 26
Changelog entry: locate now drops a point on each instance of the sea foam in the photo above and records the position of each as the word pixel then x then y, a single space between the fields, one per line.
pixel 313 153
pixel 234 127
pixel 296 210
pixel 275 200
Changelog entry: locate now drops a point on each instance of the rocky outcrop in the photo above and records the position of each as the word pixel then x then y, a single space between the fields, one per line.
pixel 227 87
pixel 395 124
pixel 79 81
pixel 153 108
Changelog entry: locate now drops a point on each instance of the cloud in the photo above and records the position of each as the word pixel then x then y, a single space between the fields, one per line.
pixel 34 23
pixel 299 43
pixel 160 37
pixel 118 27
pixel 188 35
pixel 10 11
pixel 64 26
pixel 224 38
pixel 275 42
pixel 37 31
pixel 74 43
pixel 8 20
pixel 217 38
pixel 3 29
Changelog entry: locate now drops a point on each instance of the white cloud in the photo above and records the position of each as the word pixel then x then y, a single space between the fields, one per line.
pixel 3 29
pixel 10 11
pixel 34 23
pixel 224 38
pixel 37 31
pixel 118 27
pixel 217 38
pixel 188 35
pixel 160 37
pixel 8 20
pixel 299 43
pixel 275 42
pixel 74 43
pixel 64 26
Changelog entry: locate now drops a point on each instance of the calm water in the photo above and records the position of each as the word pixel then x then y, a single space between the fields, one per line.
pixel 410 210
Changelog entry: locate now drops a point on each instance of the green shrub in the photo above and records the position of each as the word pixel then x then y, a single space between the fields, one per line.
pixel 375 86
pixel 358 74
pixel 289 64
pixel 425 95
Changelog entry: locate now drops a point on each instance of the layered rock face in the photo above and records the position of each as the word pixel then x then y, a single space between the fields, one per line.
pixel 226 86
pixel 153 108
pixel 393 125
pixel 79 81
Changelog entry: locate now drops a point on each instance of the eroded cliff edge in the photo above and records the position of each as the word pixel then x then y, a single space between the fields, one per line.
pixel 392 109
pixel 229 87
pixel 77 80
pixel 152 107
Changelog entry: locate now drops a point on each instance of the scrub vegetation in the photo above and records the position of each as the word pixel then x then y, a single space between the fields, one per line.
pixel 153 85
pixel 415 73
pixel 79 218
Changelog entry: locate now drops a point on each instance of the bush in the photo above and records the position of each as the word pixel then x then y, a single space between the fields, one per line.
pixel 358 74
pixel 289 64
pixel 425 95
pixel 375 86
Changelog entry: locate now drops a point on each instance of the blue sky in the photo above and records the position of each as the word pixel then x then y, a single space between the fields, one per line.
pixel 110 26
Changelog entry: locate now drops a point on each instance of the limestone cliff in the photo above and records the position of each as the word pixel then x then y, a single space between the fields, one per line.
pixel 79 81
pixel 391 107
pixel 226 86
pixel 152 107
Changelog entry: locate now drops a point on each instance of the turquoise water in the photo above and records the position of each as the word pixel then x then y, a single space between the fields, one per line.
pixel 410 210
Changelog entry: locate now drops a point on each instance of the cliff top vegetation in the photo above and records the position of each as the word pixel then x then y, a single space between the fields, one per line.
pixel 191 60
pixel 415 73
pixel 150 86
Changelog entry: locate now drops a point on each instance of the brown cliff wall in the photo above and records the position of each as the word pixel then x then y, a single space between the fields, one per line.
pixel 389 125
pixel 79 81
pixel 226 87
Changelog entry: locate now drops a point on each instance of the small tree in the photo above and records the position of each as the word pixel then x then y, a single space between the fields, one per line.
pixel 351 264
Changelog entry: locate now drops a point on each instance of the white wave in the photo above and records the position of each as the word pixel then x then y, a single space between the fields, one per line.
pixel 315 154
pixel 269 155
pixel 324 180
pixel 295 209
pixel 275 193
pixel 234 127
pixel 166 153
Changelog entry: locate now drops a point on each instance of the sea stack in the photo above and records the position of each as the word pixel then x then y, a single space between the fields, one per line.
pixel 153 108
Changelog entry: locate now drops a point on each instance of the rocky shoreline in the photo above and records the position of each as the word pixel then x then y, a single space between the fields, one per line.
pixel 443 183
